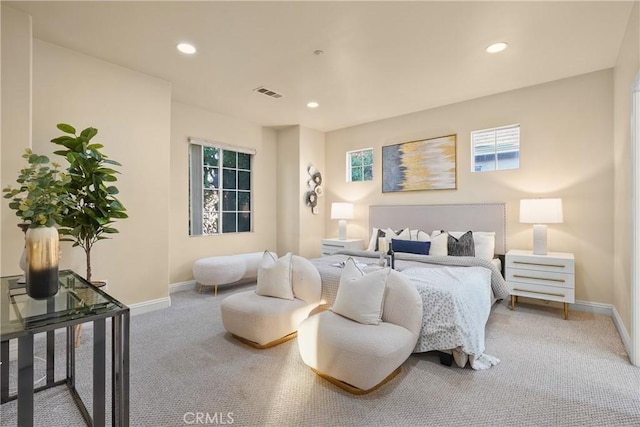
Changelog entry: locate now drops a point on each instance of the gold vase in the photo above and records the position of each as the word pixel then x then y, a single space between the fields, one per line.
pixel 43 249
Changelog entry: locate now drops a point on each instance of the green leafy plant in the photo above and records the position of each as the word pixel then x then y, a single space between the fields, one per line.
pixel 42 198
pixel 94 206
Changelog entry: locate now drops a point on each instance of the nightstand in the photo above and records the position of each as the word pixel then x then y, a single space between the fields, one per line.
pixel 548 277
pixel 331 246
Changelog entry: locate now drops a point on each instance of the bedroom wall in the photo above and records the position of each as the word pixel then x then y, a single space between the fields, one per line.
pixel 299 231
pixel 16 125
pixel 288 198
pixel 132 112
pixel 626 71
pixel 312 151
pixel 566 151
pixel 192 121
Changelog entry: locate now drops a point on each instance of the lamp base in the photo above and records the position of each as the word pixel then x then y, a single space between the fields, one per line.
pixel 342 229
pixel 539 239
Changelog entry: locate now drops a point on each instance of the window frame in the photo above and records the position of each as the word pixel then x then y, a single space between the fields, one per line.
pixel 349 167
pixel 495 152
pixel 197 186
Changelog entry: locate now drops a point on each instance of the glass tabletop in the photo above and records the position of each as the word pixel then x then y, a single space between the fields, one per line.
pixel 77 299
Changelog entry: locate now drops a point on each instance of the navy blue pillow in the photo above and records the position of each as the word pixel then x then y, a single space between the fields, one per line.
pixel 411 246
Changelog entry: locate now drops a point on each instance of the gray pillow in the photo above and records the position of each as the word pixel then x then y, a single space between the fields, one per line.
pixel 462 246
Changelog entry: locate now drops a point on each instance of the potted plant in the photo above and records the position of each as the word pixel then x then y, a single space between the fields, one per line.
pixel 41 200
pixel 94 206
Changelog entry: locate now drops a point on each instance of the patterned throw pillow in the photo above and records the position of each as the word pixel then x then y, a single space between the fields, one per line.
pixel 462 246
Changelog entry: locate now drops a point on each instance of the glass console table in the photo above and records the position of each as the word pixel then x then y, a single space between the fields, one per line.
pixel 76 302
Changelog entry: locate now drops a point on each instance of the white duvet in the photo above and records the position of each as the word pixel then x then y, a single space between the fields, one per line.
pixel 456 307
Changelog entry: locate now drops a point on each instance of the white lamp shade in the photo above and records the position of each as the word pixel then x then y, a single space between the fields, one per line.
pixel 341 210
pixel 541 211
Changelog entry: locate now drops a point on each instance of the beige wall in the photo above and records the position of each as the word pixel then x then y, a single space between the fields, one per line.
pixel 16 125
pixel 189 121
pixel 566 152
pixel 299 230
pixel 132 114
pixel 626 71
pixel 288 195
pixel 312 152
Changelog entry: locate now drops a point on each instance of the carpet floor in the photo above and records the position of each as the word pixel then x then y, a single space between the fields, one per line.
pixel 186 370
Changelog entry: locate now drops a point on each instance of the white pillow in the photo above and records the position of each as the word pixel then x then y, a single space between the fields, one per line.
pixel 483 241
pixel 439 242
pixel 420 236
pixel 404 234
pixel 360 296
pixel 274 277
pixel 373 240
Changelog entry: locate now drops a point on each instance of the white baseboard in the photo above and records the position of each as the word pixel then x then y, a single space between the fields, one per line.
pixel 182 286
pixel 151 305
pixel 624 335
pixel 593 307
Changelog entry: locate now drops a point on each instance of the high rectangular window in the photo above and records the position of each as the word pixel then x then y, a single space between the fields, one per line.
pixel 360 165
pixel 495 149
pixel 220 189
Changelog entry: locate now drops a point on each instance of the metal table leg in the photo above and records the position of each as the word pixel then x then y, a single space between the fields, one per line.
pixel 25 381
pixel 120 370
pixel 99 348
pixel 51 345
pixel 4 371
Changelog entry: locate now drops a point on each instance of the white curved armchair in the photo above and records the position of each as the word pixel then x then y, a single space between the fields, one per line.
pixel 264 321
pixel 359 357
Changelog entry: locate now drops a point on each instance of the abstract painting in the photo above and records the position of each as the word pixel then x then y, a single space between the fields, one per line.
pixel 428 164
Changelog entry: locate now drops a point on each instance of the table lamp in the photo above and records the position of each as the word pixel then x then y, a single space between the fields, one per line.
pixel 540 212
pixel 342 212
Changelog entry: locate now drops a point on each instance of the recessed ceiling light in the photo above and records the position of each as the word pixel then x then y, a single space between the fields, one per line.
pixel 313 104
pixel 187 48
pixel 497 47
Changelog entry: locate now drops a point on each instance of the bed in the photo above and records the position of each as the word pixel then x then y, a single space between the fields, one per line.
pixel 457 291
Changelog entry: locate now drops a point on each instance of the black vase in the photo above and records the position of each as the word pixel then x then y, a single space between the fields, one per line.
pixel 43 249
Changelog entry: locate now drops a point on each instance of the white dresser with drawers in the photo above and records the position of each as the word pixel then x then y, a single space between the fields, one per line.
pixel 331 246
pixel 548 277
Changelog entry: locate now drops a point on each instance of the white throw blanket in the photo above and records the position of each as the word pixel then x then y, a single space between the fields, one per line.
pixel 457 303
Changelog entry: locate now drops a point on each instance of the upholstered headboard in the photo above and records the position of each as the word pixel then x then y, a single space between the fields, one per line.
pixel 463 217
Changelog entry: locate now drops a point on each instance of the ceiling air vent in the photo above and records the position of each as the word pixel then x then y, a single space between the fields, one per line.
pixel 268 92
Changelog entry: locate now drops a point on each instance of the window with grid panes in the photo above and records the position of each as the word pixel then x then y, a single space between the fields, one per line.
pixel 360 165
pixel 220 181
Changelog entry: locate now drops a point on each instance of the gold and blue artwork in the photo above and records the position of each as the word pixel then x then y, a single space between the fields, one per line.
pixel 428 164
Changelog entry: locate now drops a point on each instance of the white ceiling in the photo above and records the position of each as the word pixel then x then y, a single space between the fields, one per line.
pixel 381 59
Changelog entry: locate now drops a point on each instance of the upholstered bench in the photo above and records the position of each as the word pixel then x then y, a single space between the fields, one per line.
pixel 226 269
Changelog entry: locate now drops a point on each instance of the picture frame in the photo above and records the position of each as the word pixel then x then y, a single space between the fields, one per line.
pixel 426 164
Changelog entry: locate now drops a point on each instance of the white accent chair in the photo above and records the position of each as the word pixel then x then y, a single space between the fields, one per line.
pixel 358 357
pixel 264 321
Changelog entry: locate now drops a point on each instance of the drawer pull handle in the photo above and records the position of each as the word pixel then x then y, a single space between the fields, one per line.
pixel 540 264
pixel 539 292
pixel 538 278
pixel 329 245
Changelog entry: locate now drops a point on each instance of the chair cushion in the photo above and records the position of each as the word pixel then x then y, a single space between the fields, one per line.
pixel 358 354
pixel 274 277
pixel 262 319
pixel 360 296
